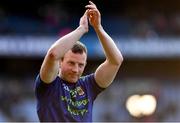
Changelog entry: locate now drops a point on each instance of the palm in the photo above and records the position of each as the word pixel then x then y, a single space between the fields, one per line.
pixel 84 21
pixel 94 19
pixel 93 15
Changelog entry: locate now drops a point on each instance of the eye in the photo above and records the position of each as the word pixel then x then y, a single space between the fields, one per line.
pixel 71 63
pixel 81 65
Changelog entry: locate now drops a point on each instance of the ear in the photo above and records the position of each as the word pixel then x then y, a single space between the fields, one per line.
pixel 60 62
pixel 85 64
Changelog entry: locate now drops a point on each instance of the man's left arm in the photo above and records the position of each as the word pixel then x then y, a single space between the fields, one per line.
pixel 106 72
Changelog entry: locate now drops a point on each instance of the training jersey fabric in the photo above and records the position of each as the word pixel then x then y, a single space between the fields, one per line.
pixel 61 101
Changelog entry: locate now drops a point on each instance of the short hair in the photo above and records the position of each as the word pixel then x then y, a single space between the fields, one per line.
pixel 79 47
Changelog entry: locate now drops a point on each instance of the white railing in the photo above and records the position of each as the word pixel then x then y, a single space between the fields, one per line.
pixel 130 47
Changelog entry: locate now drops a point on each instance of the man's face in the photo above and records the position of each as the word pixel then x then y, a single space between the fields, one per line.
pixel 72 66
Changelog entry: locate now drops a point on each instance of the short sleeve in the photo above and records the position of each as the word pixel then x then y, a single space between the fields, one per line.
pixel 41 88
pixel 92 87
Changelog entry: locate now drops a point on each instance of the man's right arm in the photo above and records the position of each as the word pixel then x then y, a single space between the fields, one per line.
pixel 50 66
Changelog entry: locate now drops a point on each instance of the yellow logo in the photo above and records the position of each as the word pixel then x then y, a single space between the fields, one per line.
pixel 80 91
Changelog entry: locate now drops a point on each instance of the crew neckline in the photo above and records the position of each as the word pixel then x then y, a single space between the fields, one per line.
pixel 66 82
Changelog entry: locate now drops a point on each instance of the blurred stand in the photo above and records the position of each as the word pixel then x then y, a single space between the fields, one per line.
pixel 147 33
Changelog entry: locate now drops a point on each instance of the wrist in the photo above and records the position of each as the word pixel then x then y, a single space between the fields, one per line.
pixel 82 29
pixel 98 28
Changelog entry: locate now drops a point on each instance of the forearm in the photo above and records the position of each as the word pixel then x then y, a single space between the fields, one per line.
pixel 62 45
pixel 113 55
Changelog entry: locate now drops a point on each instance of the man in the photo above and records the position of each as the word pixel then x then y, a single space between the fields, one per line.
pixel 62 94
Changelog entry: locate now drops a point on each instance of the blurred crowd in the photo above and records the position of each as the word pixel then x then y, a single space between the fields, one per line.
pixel 53 19
pixel 111 105
pixel 18 100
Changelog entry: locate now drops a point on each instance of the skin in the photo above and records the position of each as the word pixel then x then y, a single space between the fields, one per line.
pixel 50 66
pixel 104 74
pixel 72 66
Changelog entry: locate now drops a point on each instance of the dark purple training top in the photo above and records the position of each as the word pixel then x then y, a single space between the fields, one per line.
pixel 61 101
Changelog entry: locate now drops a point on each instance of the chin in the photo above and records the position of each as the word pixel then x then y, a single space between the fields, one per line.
pixel 72 81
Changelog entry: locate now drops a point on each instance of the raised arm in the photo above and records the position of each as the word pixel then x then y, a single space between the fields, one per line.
pixel 50 67
pixel 106 72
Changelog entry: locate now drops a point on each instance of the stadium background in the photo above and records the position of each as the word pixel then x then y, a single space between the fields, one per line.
pixel 146 31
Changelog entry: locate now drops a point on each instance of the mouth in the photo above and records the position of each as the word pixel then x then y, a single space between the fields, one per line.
pixel 73 78
pixel 74 75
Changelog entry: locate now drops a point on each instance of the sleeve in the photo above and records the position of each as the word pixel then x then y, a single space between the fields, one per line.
pixel 92 87
pixel 41 88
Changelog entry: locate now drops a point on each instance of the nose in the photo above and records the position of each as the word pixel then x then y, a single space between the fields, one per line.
pixel 75 68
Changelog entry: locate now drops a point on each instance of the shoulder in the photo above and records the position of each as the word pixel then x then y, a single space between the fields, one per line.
pixel 90 77
pixel 40 83
pixel 42 88
pixel 89 80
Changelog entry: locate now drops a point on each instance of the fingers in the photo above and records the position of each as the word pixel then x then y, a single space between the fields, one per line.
pixel 91 3
pixel 91 9
pixel 91 12
pixel 85 13
pixel 91 6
